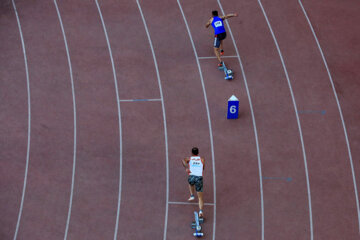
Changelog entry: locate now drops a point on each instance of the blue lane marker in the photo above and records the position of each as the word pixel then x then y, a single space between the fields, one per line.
pixel 140 100
pixel 322 112
pixel 288 179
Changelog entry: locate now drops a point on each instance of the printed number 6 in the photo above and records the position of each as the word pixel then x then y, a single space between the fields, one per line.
pixel 233 109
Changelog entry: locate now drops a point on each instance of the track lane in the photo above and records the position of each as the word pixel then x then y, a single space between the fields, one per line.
pixel 234 218
pixel 278 132
pixel 143 198
pixel 74 116
pixel 51 126
pixel 181 87
pixel 14 119
pixel 338 59
pixel 96 187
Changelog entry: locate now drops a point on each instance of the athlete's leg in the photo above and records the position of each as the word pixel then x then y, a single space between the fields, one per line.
pixel 199 190
pixel 216 48
pixel 221 45
pixel 201 201
pixel 217 54
pixel 192 189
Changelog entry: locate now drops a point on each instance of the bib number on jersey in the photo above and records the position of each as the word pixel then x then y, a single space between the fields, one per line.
pixel 218 24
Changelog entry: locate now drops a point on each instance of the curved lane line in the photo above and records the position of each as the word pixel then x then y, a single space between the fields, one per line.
pixel 297 119
pixel 340 111
pixel 119 116
pixel 254 123
pixel 74 109
pixel 164 119
pixel 207 111
pixel 29 121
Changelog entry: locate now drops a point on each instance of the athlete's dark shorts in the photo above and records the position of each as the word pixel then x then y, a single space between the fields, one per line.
pixel 218 38
pixel 197 181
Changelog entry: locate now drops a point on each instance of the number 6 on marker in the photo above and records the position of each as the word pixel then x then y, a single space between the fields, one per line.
pixel 233 109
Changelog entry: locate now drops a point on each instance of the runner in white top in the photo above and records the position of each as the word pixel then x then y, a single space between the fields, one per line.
pixel 195 166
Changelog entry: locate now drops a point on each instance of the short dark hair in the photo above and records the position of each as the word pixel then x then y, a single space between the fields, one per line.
pixel 215 13
pixel 195 151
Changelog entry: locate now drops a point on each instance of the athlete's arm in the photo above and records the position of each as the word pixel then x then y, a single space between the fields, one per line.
pixel 203 162
pixel 209 23
pixel 229 16
pixel 185 162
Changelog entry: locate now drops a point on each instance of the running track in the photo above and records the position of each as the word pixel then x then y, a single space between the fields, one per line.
pixel 100 100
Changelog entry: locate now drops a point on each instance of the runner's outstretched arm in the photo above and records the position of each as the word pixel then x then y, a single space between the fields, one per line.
pixel 230 15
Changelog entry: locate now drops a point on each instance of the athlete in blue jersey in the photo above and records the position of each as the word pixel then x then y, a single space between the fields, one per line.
pixel 220 33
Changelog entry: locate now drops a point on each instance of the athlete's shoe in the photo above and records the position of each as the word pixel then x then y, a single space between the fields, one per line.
pixel 201 214
pixel 220 64
pixel 221 52
pixel 192 197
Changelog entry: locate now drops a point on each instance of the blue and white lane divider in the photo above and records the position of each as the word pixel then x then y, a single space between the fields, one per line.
pixel 141 100
pixel 322 112
pixel 287 179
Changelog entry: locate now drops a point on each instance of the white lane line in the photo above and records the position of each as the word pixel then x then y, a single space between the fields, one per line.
pixel 340 112
pixel 207 111
pixel 190 203
pixel 29 121
pixel 215 57
pixel 119 116
pixel 141 100
pixel 297 119
pixel 164 119
pixel 254 125
pixel 74 109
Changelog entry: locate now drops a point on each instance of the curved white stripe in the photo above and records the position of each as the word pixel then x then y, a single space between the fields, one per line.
pixel 29 121
pixel 119 116
pixel 340 112
pixel 254 124
pixel 74 112
pixel 164 119
pixel 208 114
pixel 297 119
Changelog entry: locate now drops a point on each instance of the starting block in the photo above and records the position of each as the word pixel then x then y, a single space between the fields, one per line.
pixel 229 74
pixel 196 225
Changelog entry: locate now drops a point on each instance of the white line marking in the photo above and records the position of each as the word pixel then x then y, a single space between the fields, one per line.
pixel 215 57
pixel 340 112
pixel 164 119
pixel 190 203
pixel 119 116
pixel 29 121
pixel 141 100
pixel 297 119
pixel 207 111
pixel 254 126
pixel 74 107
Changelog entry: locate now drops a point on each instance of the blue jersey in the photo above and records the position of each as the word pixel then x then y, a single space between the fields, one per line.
pixel 218 25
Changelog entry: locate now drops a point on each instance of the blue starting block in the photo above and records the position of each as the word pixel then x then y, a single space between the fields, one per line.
pixel 196 225
pixel 233 108
pixel 229 74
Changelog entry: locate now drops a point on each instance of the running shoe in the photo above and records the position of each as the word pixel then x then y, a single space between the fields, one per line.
pixel 192 197
pixel 201 214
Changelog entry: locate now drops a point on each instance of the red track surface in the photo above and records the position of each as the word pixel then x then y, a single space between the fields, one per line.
pixel 141 153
